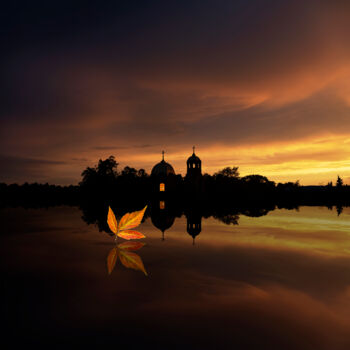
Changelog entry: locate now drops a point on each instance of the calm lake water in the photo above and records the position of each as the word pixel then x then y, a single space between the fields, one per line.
pixel 280 281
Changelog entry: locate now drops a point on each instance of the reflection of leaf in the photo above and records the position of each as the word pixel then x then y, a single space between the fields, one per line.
pixel 131 260
pixel 127 258
pixel 112 259
pixel 124 250
pixel 130 245
pixel 112 221
pixel 131 220
pixel 130 234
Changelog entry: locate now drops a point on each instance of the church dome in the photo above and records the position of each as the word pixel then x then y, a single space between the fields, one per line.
pixel 193 159
pixel 162 169
pixel 162 221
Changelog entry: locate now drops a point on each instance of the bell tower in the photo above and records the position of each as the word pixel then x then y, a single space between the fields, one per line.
pixel 194 225
pixel 194 174
pixel 194 166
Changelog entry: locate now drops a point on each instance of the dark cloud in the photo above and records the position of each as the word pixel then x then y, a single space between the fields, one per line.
pixel 18 168
pixel 254 125
pixel 80 159
pixel 261 124
pixel 75 77
pixel 111 148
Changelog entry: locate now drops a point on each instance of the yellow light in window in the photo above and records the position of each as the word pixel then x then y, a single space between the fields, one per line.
pixel 162 187
pixel 162 205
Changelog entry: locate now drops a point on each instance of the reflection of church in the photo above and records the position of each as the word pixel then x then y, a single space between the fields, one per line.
pixel 163 218
pixel 165 179
pixel 194 224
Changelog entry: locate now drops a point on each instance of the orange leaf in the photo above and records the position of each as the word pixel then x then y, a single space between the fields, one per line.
pixel 131 260
pixel 112 221
pixel 130 234
pixel 130 245
pixel 112 259
pixel 123 220
pixel 131 220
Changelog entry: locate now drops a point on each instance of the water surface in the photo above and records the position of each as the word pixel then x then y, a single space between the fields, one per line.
pixel 278 281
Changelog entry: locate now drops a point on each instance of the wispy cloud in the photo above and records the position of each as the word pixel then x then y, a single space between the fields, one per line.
pixel 234 76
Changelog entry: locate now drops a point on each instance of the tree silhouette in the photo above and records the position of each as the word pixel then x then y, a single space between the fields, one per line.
pixel 228 172
pixel 257 180
pixel 107 167
pixel 142 173
pixel 103 174
pixel 129 172
pixel 339 182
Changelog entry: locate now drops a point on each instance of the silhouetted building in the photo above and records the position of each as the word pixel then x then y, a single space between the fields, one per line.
pixel 163 178
pixel 161 217
pixel 194 173
pixel 194 224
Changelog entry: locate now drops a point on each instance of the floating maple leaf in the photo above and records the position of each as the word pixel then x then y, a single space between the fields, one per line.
pixel 125 250
pixel 127 257
pixel 127 222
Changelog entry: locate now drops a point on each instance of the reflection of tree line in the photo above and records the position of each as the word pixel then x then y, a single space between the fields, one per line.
pixel 339 208
pixel 163 214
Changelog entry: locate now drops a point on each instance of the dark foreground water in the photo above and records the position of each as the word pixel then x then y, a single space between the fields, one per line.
pixel 280 281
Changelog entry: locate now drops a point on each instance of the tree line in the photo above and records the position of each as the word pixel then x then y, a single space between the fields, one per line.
pixel 106 181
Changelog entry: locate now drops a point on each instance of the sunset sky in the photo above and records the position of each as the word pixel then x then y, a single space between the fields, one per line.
pixel 262 85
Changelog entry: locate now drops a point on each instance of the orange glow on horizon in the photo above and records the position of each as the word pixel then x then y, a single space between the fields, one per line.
pixel 313 161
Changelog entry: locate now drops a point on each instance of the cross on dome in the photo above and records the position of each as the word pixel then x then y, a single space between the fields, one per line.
pixel 162 168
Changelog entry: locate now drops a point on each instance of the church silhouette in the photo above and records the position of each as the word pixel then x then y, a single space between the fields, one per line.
pixel 165 180
pixel 163 215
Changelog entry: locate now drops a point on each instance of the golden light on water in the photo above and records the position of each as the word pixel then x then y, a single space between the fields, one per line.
pixel 310 230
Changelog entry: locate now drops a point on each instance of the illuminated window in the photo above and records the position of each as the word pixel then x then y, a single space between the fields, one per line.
pixel 162 187
pixel 162 205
